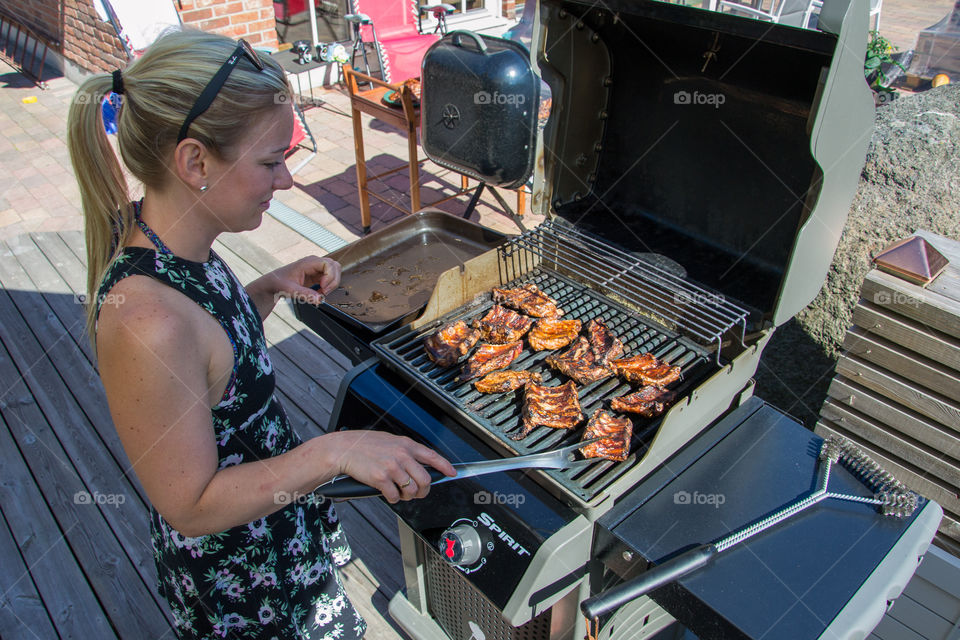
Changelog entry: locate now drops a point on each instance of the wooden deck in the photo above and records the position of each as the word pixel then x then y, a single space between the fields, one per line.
pixel 74 532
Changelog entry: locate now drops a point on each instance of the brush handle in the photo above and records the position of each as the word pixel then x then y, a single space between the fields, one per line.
pixel 655 578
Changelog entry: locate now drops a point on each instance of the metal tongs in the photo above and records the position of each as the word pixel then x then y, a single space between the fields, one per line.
pixel 345 487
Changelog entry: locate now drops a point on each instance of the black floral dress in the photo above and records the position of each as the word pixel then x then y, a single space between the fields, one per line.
pixel 275 577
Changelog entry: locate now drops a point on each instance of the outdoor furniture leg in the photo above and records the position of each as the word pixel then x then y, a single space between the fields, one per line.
pixel 361 172
pixel 414 167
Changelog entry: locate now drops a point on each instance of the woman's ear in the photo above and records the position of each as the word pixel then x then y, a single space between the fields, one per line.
pixel 191 163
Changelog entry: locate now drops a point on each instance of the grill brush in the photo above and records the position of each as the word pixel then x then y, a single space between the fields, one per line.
pixel 891 497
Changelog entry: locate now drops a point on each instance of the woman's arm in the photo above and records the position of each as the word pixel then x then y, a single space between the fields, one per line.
pixel 295 281
pixel 154 364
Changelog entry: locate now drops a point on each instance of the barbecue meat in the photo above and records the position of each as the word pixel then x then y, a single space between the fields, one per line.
pixel 528 299
pixel 616 434
pixel 502 325
pixel 580 363
pixel 490 357
pixel 553 333
pixel 447 345
pixel 503 381
pixel 649 401
pixel 555 407
pixel 605 345
pixel 646 369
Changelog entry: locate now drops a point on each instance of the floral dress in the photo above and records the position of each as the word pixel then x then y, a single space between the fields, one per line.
pixel 275 577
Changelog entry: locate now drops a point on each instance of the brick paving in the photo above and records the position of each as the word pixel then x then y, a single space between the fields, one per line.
pixel 38 192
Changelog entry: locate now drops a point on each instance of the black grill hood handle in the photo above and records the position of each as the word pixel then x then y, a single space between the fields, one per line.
pixel 457 38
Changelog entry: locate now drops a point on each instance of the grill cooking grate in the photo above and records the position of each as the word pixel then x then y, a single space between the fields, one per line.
pixel 455 604
pixel 499 415
pixel 652 291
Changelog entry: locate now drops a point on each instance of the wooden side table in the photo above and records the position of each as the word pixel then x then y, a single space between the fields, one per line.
pixel 406 118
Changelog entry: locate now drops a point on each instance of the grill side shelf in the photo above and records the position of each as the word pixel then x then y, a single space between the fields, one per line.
pixel 495 416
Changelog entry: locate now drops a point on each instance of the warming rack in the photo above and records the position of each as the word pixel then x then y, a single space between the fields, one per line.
pixel 652 291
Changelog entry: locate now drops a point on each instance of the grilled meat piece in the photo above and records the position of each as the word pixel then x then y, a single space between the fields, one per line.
pixel 528 299
pixel 553 333
pixel 661 375
pixel 449 343
pixel 616 433
pixel 490 357
pixel 503 381
pixel 580 363
pixel 649 401
pixel 555 407
pixel 605 345
pixel 502 325
pixel 646 369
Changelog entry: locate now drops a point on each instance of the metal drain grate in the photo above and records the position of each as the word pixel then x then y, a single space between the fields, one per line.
pixel 465 614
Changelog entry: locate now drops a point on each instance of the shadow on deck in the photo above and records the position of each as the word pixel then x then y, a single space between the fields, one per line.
pixel 74 528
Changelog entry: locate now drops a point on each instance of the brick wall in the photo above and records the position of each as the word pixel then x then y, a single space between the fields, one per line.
pixel 93 45
pixel 252 20
pixel 510 8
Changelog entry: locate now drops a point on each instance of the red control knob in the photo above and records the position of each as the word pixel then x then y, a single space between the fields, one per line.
pixel 461 545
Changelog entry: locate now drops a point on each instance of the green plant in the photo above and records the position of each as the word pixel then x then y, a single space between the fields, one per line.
pixel 878 54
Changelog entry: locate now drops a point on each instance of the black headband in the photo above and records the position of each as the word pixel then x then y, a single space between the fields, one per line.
pixel 118 82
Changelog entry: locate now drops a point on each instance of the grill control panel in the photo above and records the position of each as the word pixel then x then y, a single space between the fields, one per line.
pixel 488 527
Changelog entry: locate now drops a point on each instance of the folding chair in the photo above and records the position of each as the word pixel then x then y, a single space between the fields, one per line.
pixel 793 13
pixel 392 27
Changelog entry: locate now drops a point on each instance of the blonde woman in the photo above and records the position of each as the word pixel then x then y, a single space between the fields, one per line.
pixel 204 125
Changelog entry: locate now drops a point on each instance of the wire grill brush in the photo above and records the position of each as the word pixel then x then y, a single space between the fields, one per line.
pixel 891 497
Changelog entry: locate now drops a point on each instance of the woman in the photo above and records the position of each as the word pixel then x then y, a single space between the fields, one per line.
pixel 243 549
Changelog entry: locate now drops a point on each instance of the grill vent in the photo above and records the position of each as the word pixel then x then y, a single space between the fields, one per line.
pixel 454 603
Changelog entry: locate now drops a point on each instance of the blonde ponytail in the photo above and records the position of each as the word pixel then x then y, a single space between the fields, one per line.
pixel 159 89
pixel 103 187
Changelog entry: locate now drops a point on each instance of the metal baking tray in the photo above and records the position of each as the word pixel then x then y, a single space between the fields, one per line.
pixel 388 276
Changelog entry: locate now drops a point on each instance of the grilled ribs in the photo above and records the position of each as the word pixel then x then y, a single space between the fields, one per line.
pixel 555 407
pixel 616 433
pixel 490 357
pixel 528 299
pixel 649 401
pixel 605 345
pixel 646 369
pixel 580 363
pixel 503 381
pixel 553 333
pixel 502 325
pixel 447 345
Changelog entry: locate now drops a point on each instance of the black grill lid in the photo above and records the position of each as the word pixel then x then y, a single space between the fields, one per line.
pixel 478 113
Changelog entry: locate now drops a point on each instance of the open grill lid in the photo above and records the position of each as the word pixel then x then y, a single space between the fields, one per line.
pixel 731 146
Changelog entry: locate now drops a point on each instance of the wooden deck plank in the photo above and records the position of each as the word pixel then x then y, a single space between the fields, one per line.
pixel 927 306
pixel 110 545
pixel 907 364
pixel 919 619
pixel 22 612
pixel 77 369
pixel 59 580
pixel 935 407
pixel 931 460
pixel 909 334
pixel 895 416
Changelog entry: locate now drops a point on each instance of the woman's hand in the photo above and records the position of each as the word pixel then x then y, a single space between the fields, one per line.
pixel 297 281
pixel 394 465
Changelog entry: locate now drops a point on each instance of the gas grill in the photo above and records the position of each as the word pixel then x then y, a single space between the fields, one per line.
pixel 693 228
